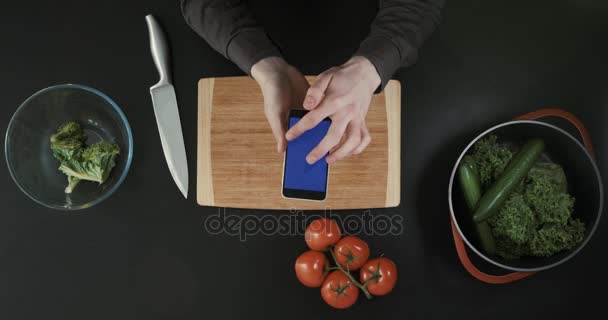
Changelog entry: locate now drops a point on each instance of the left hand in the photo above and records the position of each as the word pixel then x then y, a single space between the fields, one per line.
pixel 343 94
pixel 283 87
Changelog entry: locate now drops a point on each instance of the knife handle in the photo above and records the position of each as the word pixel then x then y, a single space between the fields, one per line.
pixel 159 48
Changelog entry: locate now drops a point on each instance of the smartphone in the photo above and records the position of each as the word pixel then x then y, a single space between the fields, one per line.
pixel 300 179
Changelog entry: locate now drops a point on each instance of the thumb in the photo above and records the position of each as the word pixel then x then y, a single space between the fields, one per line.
pixel 278 127
pixel 316 92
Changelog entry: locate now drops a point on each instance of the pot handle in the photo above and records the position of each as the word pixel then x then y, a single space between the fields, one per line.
pixel 459 243
pixel 476 273
pixel 576 122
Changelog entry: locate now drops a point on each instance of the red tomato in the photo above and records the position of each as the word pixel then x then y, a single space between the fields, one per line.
pixel 321 234
pixel 351 252
pixel 311 268
pixel 339 291
pixel 382 276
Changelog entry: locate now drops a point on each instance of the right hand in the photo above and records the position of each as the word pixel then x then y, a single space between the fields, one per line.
pixel 283 87
pixel 343 94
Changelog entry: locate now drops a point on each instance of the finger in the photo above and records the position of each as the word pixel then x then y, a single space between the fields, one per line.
pixel 332 138
pixel 310 120
pixel 277 125
pixel 353 139
pixel 366 139
pixel 316 92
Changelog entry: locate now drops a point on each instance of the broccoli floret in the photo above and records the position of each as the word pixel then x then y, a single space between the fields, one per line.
pixel 553 238
pixel 546 187
pixel 94 163
pixel 515 221
pixel 491 159
pixel 68 141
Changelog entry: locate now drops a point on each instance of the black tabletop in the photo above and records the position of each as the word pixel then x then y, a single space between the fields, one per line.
pixel 145 253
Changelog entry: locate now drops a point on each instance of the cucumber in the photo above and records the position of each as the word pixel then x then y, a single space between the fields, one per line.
pixel 469 181
pixel 515 172
pixel 486 238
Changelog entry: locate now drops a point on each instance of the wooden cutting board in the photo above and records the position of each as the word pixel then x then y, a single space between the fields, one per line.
pixel 238 165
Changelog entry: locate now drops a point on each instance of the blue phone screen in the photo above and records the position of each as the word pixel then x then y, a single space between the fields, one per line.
pixel 299 174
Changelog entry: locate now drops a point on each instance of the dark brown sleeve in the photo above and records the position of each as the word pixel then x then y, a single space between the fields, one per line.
pixel 397 33
pixel 230 28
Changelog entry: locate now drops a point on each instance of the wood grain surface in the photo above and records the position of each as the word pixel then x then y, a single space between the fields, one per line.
pixel 238 165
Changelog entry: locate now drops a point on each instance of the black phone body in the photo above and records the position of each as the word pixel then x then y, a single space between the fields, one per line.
pixel 300 179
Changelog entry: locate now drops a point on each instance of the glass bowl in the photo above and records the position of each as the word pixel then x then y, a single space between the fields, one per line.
pixel 27 146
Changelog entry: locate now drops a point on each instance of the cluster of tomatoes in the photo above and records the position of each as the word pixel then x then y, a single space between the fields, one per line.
pixel 339 288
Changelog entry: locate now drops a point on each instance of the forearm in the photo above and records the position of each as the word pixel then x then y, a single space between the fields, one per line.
pixel 397 32
pixel 230 28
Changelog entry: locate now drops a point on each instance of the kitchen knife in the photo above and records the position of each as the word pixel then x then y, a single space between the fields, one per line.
pixel 165 108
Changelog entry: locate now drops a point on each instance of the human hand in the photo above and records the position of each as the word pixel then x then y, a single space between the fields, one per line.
pixel 343 94
pixel 283 87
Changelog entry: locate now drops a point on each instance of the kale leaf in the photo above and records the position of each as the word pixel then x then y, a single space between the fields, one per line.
pixel 67 141
pixel 536 220
pixel 515 220
pixel 546 187
pixel 80 162
pixel 491 159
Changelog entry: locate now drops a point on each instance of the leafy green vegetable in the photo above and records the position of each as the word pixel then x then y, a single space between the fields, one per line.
pixel 546 193
pixel 68 141
pixel 491 159
pixel 537 218
pixel 508 249
pixel 515 220
pixel 94 162
pixel 66 145
pixel 550 172
pixel 80 162
pixel 553 238
pixel 72 182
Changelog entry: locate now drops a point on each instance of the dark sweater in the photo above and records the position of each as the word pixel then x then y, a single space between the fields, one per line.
pixel 397 32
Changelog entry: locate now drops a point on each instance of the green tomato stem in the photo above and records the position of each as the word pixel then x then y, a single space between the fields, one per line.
pixel 367 281
pixel 350 276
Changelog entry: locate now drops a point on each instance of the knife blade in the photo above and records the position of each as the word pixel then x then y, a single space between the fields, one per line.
pixel 165 108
